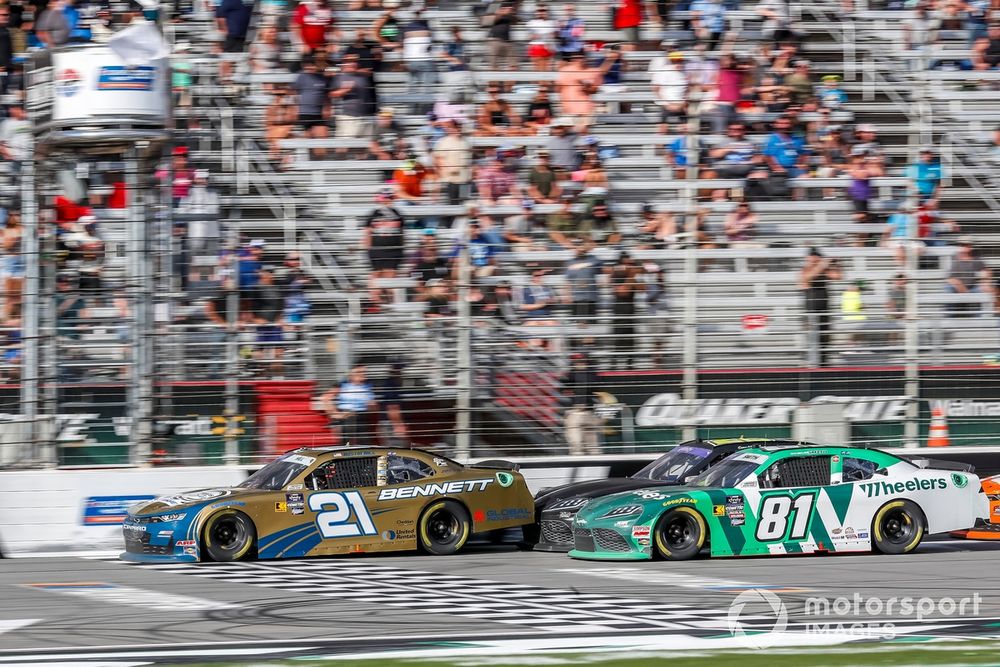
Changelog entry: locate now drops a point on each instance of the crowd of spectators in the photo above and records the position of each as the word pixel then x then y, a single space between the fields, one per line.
pixel 757 115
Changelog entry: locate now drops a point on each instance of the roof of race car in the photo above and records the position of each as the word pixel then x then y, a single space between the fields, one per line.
pixel 362 451
pixel 776 443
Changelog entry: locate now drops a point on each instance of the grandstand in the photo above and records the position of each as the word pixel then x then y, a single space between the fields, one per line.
pixel 274 299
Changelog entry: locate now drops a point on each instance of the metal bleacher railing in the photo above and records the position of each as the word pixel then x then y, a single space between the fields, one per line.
pixel 475 370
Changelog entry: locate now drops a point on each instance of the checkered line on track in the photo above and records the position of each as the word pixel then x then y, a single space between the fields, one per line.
pixel 433 592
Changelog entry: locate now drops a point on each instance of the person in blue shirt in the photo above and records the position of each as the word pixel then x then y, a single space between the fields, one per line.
pixel 350 406
pixel 784 153
pixel 902 230
pixel 926 175
pixel 830 94
pixel 709 21
pixel 536 299
pixel 232 18
pixel 250 264
pixel 79 31
pixel 482 252
pixel 570 34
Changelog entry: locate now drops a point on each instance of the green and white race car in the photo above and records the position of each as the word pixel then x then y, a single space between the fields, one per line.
pixel 784 500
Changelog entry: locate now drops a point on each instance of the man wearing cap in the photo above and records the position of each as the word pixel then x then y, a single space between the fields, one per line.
pixel 453 161
pixel 204 231
pixel 866 140
pixel 670 87
pixel 562 145
pixel 830 95
pixel 926 175
pixel 383 240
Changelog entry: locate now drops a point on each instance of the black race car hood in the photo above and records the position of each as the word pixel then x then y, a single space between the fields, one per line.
pixel 593 489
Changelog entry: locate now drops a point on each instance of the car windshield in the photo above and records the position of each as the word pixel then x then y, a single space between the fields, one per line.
pixel 276 474
pixel 727 474
pixel 675 465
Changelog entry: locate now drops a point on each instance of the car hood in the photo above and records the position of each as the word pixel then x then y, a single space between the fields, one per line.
pixel 657 494
pixel 189 499
pixel 593 489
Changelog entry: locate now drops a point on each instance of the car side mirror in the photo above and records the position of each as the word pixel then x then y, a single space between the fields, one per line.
pixel 688 479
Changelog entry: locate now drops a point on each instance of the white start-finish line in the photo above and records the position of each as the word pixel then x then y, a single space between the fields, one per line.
pixel 100 591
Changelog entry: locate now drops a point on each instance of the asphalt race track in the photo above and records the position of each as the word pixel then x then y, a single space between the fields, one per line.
pixel 74 610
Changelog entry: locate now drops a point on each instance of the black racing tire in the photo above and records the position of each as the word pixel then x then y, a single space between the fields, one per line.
pixel 229 536
pixel 680 534
pixel 444 528
pixel 898 527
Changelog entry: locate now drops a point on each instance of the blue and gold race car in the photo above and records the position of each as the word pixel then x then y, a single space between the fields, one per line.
pixel 332 501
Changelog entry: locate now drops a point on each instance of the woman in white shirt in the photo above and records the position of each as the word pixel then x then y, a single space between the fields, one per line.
pixel 541 48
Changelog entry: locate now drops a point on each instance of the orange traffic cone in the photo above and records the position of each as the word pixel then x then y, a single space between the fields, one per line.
pixel 937 436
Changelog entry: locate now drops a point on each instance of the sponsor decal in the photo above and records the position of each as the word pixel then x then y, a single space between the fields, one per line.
pixel 568 504
pixel 678 501
pixel 862 536
pixel 185 543
pixel 508 514
pixel 718 510
pixel 836 531
pixel 876 489
pixel 622 524
pixel 193 497
pixel 671 410
pixel 836 459
pixel 570 515
pixel 165 533
pixel 119 77
pixel 300 459
pixel 134 528
pixel 295 487
pixel 479 516
pixel 967 408
pixel 504 479
pixel 440 463
pixel 444 488
pixel 228 503
pixel 753 458
pixel 734 500
pixel 293 497
pixel 281 506
pixel 960 481
pixel 191 551
pixel 388 535
pixel 849 533
pixel 736 516
pixel 68 83
pixel 649 494
pixel 108 510
pixel 639 532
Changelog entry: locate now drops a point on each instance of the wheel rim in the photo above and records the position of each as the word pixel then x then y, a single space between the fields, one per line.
pixel 679 533
pixel 443 527
pixel 229 534
pixel 898 527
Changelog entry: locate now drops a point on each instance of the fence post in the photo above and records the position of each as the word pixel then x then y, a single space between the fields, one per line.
pixel 463 398
pixel 35 448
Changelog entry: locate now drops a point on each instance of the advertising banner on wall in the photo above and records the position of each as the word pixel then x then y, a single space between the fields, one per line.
pixel 648 409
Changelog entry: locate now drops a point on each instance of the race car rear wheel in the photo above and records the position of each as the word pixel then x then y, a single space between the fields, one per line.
pixel 680 534
pixel 444 528
pixel 898 527
pixel 229 536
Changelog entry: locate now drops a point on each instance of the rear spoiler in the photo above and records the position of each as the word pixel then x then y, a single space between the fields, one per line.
pixel 496 464
pixel 936 464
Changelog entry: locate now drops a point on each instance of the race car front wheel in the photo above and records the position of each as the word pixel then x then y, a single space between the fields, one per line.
pixel 680 534
pixel 228 536
pixel 898 527
pixel 444 528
